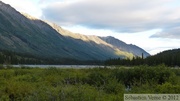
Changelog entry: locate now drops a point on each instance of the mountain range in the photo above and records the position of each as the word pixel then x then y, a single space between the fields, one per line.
pixel 24 34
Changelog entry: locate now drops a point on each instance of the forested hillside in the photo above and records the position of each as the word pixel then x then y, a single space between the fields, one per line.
pixel 168 57
pixel 9 57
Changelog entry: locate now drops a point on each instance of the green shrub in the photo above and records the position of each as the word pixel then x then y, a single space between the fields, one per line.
pixel 168 88
pixel 97 84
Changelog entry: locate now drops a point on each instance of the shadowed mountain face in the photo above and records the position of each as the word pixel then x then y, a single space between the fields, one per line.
pixel 24 34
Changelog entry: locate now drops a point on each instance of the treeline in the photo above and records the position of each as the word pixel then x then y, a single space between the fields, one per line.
pixel 126 62
pixel 169 58
pixel 9 57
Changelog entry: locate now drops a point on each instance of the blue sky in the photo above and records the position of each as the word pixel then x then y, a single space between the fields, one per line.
pixel 154 25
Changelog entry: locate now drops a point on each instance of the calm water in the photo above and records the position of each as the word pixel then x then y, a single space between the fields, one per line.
pixel 60 66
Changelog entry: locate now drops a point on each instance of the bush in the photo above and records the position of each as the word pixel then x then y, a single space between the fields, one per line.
pixel 168 88
pixel 85 84
pixel 1 66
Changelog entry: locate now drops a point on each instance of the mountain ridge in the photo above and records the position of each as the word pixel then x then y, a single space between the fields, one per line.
pixel 125 47
pixel 137 51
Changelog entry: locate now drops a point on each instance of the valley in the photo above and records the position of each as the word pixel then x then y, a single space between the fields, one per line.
pixel 42 61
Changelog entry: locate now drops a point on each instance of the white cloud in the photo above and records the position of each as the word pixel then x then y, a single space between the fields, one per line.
pixel 26 6
pixel 117 15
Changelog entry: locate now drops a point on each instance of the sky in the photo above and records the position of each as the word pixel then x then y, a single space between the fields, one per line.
pixel 153 25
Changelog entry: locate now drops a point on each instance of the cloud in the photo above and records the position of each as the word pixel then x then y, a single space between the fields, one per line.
pixel 122 16
pixel 117 15
pixel 172 33
pixel 25 6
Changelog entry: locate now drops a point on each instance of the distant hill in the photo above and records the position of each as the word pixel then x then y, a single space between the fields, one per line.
pixel 168 57
pixel 23 34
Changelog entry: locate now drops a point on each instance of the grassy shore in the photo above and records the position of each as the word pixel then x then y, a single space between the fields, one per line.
pixel 95 84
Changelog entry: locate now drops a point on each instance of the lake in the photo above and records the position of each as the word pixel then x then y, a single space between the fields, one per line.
pixel 60 66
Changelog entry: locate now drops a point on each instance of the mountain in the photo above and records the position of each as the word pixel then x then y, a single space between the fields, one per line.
pixel 137 51
pixel 22 34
